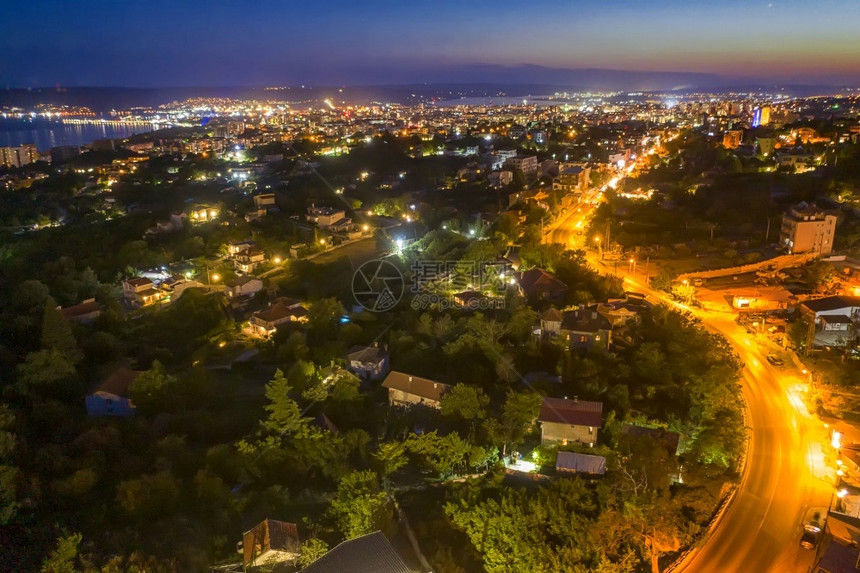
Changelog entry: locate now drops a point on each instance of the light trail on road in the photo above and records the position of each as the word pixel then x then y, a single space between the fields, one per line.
pixel 760 531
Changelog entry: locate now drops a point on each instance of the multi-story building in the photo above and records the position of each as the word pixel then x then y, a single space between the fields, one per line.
pixel 140 291
pixel 325 217
pixel 18 156
pixel 732 139
pixel 572 179
pixel 499 179
pixel 807 229
pixel 63 153
pixel 499 156
pixel 525 163
pixel 249 259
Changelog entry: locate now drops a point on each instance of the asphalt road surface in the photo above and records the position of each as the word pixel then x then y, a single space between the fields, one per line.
pixel 760 531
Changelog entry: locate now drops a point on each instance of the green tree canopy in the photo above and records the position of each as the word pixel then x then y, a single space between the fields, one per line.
pixel 359 506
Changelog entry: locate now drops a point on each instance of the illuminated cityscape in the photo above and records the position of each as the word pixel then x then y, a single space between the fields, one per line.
pixel 430 288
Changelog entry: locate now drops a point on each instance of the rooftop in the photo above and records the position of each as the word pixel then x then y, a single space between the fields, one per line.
pixel 572 412
pixel 270 534
pixel 371 553
pixel 581 463
pixel 117 382
pixel 366 353
pixel 831 303
pixel 423 387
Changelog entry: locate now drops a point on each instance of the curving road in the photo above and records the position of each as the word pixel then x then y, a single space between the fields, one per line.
pixel 760 531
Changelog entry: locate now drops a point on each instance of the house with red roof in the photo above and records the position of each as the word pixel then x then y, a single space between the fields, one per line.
pixel 563 421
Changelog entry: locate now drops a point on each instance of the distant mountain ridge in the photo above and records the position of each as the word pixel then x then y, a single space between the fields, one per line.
pixel 512 81
pixel 598 79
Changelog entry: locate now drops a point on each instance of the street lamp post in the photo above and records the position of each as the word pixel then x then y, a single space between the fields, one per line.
pixel 631 268
pixel 689 288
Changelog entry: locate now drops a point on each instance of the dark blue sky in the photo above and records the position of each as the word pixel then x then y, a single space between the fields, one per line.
pixel 279 42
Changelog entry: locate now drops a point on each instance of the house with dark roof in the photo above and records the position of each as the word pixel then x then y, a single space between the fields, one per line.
pixel 586 328
pixel 835 319
pixel 371 553
pixel 249 259
pixel 140 291
pixel 367 362
pixel 620 312
pixel 550 323
pixel 270 542
pixel 85 313
pixel 281 311
pixel 235 247
pixel 572 463
pixel 243 286
pixel 110 397
pixel 564 421
pixel 407 390
pixel 540 285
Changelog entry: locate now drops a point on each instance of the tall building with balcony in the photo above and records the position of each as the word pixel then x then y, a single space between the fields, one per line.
pixel 18 156
pixel 807 229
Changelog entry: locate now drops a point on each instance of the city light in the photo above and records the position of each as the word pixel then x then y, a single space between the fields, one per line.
pixel 702 336
pixel 836 440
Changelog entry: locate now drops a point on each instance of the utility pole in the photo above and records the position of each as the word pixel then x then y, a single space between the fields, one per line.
pixel 767 232
pixel 647 262
pixel 608 228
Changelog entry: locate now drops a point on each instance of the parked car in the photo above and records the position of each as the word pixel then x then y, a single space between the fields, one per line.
pixel 811 536
pixel 775 360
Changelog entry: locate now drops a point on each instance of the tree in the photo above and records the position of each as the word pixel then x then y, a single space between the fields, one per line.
pixel 31 295
pixel 42 369
pixel 720 439
pixel 284 414
pixel 57 334
pixel 311 550
pixel 442 455
pixel 391 456
pixel 153 391
pixel 149 496
pixel 359 506
pixel 62 559
pixel 465 402
pixel 8 472
pixel 543 530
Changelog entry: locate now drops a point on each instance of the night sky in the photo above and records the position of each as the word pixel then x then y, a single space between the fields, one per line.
pixel 283 42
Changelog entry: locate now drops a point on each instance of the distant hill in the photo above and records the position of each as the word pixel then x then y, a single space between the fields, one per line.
pixel 513 81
